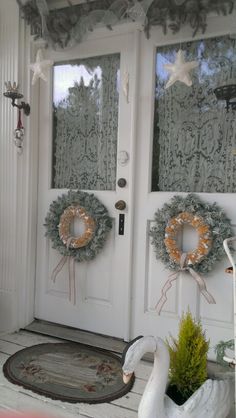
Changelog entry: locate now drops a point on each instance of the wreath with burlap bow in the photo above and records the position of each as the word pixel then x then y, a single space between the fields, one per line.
pixel 58 223
pixel 212 226
pixel 63 210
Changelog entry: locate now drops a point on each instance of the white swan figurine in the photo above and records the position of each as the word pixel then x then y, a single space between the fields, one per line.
pixel 212 400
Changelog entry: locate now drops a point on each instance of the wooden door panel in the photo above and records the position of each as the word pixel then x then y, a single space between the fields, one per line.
pixel 155 278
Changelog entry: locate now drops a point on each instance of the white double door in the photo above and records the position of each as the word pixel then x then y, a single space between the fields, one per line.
pixel 118 290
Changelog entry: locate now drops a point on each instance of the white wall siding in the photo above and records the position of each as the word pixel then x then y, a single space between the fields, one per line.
pixel 9 30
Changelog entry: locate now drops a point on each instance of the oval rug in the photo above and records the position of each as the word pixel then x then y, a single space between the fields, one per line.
pixel 68 372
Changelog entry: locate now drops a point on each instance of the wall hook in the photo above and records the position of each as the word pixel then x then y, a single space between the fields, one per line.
pixel 13 94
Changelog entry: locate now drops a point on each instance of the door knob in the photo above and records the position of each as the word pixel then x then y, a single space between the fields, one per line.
pixel 120 205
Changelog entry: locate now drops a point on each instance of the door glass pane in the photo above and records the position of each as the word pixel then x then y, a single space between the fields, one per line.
pixel 194 147
pixel 85 123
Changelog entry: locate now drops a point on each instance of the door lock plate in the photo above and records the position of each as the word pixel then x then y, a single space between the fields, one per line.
pixel 121 223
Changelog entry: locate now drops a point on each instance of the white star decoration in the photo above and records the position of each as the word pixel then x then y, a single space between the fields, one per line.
pixel 40 67
pixel 179 71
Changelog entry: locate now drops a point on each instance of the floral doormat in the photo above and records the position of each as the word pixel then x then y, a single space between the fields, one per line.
pixel 68 372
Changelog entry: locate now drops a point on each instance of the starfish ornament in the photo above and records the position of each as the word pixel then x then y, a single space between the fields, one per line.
pixel 179 70
pixel 40 67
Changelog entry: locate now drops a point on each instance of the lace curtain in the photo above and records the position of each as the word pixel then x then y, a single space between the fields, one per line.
pixel 85 124
pixel 194 137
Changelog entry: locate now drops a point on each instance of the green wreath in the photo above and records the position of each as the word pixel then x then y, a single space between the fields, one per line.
pixel 94 209
pixel 213 217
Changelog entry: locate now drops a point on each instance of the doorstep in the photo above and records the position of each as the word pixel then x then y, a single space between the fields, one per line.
pixel 92 339
pixel 76 335
pixel 116 345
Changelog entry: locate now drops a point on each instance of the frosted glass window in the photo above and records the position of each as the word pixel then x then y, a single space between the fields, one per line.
pixel 85 123
pixel 194 146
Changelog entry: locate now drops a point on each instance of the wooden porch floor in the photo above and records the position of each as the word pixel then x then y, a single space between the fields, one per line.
pixel 15 398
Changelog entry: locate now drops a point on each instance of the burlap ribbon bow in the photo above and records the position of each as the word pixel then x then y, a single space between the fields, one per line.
pixel 174 276
pixel 71 270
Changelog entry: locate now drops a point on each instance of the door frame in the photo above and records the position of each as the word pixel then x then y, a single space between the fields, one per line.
pixel 27 178
pixel 27 190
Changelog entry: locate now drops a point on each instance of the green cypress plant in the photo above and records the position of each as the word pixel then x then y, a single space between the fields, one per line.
pixel 188 359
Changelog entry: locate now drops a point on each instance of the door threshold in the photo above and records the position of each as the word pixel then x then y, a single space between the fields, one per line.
pixel 63 332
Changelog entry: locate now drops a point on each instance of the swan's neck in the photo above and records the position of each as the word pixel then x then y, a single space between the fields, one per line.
pixel 152 402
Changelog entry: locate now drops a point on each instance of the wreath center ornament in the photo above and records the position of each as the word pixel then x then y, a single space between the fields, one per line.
pixel 212 227
pixel 62 212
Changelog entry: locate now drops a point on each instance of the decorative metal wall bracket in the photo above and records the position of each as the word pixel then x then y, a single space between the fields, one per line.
pixel 227 93
pixel 16 96
pixel 13 94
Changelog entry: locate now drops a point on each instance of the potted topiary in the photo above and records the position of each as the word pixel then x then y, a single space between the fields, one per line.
pixel 188 360
pixel 182 366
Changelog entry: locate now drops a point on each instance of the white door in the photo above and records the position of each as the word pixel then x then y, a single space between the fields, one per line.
pixel 149 273
pixel 102 284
